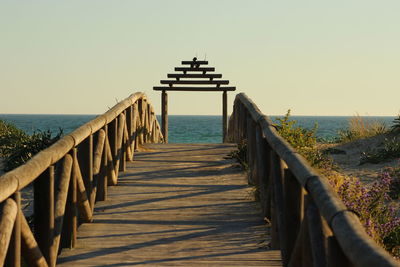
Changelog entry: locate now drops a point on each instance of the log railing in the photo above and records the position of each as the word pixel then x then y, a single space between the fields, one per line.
pixel 67 179
pixel 309 223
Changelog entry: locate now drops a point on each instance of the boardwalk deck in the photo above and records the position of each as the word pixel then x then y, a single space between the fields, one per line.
pixel 176 205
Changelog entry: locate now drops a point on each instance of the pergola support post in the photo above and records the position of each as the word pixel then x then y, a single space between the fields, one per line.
pixel 164 115
pixel 224 116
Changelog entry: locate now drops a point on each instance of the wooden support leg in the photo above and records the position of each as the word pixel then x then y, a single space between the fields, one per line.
pixel 44 211
pixel 14 249
pixel 164 115
pixel 224 116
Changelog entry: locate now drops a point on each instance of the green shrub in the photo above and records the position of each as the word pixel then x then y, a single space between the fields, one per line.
pixel 10 136
pixel 371 203
pixel 297 137
pixel 390 150
pixel 396 125
pixel 394 172
pixel 240 154
pixel 304 141
pixel 17 147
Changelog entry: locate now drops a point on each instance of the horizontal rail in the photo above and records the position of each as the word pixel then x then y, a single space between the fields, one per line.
pixel 194 89
pixel 197 62
pixel 194 82
pixel 204 69
pixel 194 75
pixel 265 150
pixel 80 165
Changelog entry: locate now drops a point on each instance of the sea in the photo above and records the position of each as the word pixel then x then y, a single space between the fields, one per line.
pixel 185 128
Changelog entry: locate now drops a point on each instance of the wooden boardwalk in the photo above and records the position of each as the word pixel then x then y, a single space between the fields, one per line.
pixel 176 205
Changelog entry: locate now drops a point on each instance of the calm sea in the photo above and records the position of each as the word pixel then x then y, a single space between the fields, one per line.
pixel 182 129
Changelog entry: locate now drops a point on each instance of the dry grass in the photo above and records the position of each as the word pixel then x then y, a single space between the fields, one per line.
pixel 359 128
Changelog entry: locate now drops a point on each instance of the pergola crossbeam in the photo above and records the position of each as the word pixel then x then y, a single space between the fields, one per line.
pixel 207 79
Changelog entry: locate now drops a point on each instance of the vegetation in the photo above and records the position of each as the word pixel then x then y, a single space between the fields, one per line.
pixel 390 150
pixel 373 204
pixel 17 147
pixel 359 128
pixel 240 155
pixel 396 125
pixel 304 141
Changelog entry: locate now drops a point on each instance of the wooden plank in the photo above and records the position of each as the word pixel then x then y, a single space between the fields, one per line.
pixel 194 82
pixel 195 89
pixel 177 205
pixel 194 75
pixel 203 69
pixel 191 62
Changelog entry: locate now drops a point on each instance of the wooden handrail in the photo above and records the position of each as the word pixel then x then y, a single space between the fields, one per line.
pixel 80 166
pixel 323 208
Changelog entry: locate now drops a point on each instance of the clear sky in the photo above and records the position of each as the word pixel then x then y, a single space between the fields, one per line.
pixel 315 57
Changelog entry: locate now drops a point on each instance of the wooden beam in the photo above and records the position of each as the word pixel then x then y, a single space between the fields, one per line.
pixel 194 89
pixel 194 82
pixel 191 62
pixel 194 75
pixel 203 69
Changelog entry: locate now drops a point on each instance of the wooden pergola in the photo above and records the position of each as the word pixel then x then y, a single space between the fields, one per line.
pixel 194 78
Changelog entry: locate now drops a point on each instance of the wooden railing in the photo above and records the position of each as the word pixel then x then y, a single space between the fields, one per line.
pixel 309 223
pixel 67 179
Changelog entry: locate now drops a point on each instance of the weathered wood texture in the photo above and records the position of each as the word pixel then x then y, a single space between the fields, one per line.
pixel 185 79
pixel 298 228
pixel 79 165
pixel 177 205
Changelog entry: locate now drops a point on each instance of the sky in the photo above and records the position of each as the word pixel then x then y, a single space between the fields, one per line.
pixel 315 57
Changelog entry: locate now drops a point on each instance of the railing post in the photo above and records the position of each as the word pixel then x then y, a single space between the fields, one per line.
pixel 316 235
pixel 69 232
pixel 112 138
pixel 121 142
pixel 262 159
pixel 43 188
pixel 224 115
pixel 294 205
pixel 144 121
pixel 278 199
pixel 102 176
pixel 141 122
pixel 14 250
pixel 85 158
pixel 135 128
pixel 336 256
pixel 164 115
pixel 250 147
pixel 129 126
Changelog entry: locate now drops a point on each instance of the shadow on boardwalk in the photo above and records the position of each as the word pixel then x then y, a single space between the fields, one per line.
pixel 177 205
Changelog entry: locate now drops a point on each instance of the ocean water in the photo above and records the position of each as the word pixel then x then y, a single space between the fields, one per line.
pixel 182 128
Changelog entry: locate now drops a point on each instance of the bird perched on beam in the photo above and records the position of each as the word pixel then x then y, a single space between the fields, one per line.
pixel 195 65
